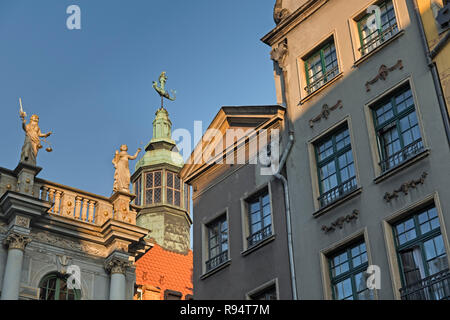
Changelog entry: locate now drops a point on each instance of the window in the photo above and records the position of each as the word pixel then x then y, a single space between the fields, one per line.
pixel 397 129
pixel 153 186
pixel 54 287
pixel 137 191
pixel 173 189
pixel 269 293
pixel 321 67
pixel 172 295
pixel 422 257
pixel 348 273
pixel 259 217
pixel 336 169
pixel 385 27
pixel 217 243
pixel 186 196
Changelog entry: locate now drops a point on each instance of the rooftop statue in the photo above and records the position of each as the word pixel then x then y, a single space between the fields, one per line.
pixel 33 138
pixel 122 174
pixel 162 90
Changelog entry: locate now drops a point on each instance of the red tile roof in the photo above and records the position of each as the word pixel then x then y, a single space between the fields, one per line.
pixel 166 270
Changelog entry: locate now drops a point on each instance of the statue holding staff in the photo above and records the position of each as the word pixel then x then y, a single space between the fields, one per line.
pixel 122 174
pixel 33 136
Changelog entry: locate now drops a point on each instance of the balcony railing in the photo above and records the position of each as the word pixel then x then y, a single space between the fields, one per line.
pixel 401 156
pixel 319 82
pixel 76 205
pixel 435 287
pixel 338 192
pixel 375 42
pixel 217 261
pixel 260 235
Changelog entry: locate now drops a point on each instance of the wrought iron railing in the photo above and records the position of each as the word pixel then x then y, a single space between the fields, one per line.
pixel 402 155
pixel 260 235
pixel 319 82
pixel 338 192
pixel 373 43
pixel 434 287
pixel 217 261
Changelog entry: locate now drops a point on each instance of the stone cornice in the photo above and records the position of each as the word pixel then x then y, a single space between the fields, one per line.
pixel 292 21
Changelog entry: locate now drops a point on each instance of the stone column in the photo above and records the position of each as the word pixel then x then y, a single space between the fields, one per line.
pixel 117 267
pixel 11 280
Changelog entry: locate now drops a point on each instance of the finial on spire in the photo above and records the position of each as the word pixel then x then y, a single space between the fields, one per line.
pixel 161 89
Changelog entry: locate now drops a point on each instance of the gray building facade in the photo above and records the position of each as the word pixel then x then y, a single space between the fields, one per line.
pixel 370 168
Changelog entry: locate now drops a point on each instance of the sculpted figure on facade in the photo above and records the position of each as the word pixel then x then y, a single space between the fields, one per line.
pixel 122 174
pixel 33 136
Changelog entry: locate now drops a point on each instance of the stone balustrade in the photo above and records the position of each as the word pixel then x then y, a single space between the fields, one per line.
pixel 77 205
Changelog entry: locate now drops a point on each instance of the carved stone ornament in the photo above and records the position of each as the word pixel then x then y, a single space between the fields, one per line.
pixel 279 53
pixel 69 244
pixel 62 263
pixel 325 113
pixel 116 266
pixel 280 13
pixel 16 241
pixel 404 188
pixel 22 221
pixel 383 73
pixel 339 223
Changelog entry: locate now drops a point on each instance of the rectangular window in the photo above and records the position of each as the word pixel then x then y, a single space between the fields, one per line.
pixel 137 191
pixel 186 196
pixel 348 273
pixel 397 129
pixel 269 293
pixel 321 67
pixel 335 165
pixel 153 187
pixel 422 257
pixel 217 243
pixel 373 30
pixel 173 189
pixel 259 218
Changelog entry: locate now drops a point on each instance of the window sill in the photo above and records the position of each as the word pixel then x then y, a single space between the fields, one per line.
pixel 337 203
pixel 385 175
pixel 258 245
pixel 326 85
pixel 365 57
pixel 215 270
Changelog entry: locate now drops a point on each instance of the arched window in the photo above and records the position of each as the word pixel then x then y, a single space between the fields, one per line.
pixel 54 287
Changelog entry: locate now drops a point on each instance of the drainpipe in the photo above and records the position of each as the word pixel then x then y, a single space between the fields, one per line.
pixel 279 176
pixel 429 56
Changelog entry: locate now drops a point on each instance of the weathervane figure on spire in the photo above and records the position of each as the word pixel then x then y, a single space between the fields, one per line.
pixel 162 90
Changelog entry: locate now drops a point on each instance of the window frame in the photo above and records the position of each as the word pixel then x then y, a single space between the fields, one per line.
pixel 352 271
pixel 172 189
pixel 225 253
pixel 259 196
pixel 334 158
pixel 153 187
pixel 382 129
pixel 58 277
pixel 138 191
pixel 319 50
pixel 393 29
pixel 418 241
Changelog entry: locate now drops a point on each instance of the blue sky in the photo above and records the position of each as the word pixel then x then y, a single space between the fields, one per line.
pixel 92 87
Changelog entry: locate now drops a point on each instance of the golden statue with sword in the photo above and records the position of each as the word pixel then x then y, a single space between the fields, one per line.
pixel 33 138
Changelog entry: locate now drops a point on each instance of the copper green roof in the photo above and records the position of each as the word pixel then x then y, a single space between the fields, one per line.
pixel 161 148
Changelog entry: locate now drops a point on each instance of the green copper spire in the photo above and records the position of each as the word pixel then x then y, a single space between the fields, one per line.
pixel 161 149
